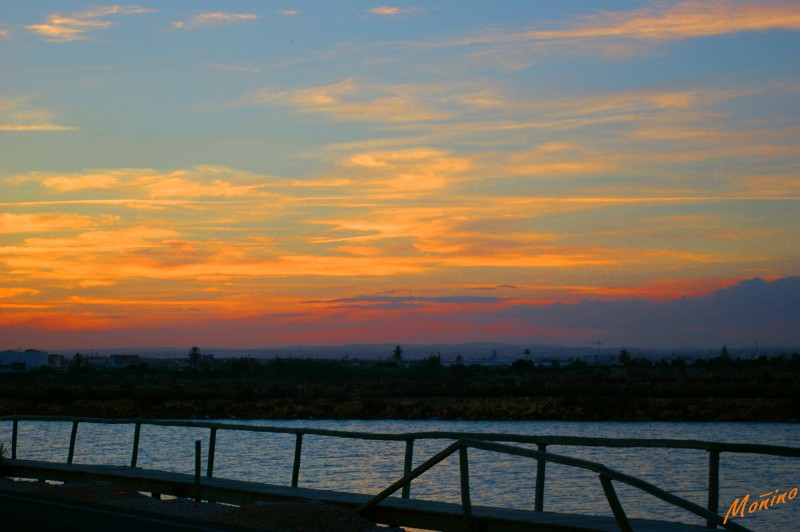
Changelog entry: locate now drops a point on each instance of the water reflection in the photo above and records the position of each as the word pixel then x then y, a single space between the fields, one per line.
pixel 365 466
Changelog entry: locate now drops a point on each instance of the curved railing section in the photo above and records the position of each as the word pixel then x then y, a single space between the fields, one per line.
pixel 606 474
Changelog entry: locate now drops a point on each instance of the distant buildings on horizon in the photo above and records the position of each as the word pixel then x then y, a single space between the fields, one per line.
pixel 483 354
pixel 33 359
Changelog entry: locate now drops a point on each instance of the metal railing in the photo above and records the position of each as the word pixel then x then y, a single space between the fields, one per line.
pixel 607 475
pixel 542 442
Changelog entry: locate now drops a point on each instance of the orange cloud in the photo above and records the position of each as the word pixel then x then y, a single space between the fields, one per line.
pixel 35 127
pixel 562 259
pixel 91 242
pixel 213 19
pixel 75 182
pixel 42 223
pixel 140 252
pixel 200 181
pixel 406 171
pixel 63 29
pixel 640 100
pixel 16 114
pixel 694 18
pixel 347 100
pixel 544 162
pixel 622 34
pixel 773 185
pixel 391 10
pixel 684 20
pixel 385 10
pixel 13 292
pixel 177 186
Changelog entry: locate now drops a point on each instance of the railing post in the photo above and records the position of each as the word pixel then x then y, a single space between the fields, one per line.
pixel 72 439
pixel 197 495
pixel 466 501
pixel 135 453
pixel 616 507
pixel 407 467
pixel 212 445
pixel 713 486
pixel 298 450
pixel 14 432
pixel 538 504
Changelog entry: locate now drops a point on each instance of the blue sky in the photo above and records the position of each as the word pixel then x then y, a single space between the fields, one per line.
pixel 258 168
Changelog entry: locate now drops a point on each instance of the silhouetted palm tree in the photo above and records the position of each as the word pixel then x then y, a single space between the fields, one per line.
pixel 194 356
pixel 397 354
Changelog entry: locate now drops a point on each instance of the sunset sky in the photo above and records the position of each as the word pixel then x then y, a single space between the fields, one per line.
pixel 251 174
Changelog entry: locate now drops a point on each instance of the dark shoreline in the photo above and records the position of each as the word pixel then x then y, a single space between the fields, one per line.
pixel 500 409
pixel 716 390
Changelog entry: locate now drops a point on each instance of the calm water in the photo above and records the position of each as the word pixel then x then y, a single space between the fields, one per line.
pixel 500 480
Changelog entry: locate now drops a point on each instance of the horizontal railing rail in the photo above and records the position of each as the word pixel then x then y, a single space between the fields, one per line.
pixel 541 441
pixel 583 441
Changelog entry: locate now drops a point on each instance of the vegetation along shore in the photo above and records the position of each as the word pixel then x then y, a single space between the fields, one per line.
pixel 716 389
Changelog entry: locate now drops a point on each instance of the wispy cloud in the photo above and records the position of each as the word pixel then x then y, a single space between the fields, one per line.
pixel 290 12
pixel 76 26
pixel 694 18
pixel 658 127
pixel 355 100
pixel 479 110
pixel 411 171
pixel 17 114
pixel 622 34
pixel 143 204
pixel 383 302
pixel 43 223
pixel 635 101
pixel 198 182
pixel 215 18
pixel 35 127
pixel 120 252
pixel 391 10
pixel 348 100
pixel 12 292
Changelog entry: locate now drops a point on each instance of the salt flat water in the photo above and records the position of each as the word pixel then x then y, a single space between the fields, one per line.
pixel 365 466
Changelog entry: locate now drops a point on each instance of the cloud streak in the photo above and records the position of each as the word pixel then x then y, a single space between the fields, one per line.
pixel 199 182
pixel 216 18
pixel 352 101
pixel 43 223
pixel 77 26
pixel 35 127
pixel 623 34
pixel 18 115
pixel 684 20
pixel 390 11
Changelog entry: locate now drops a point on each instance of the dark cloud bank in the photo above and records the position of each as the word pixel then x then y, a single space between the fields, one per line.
pixel 741 315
